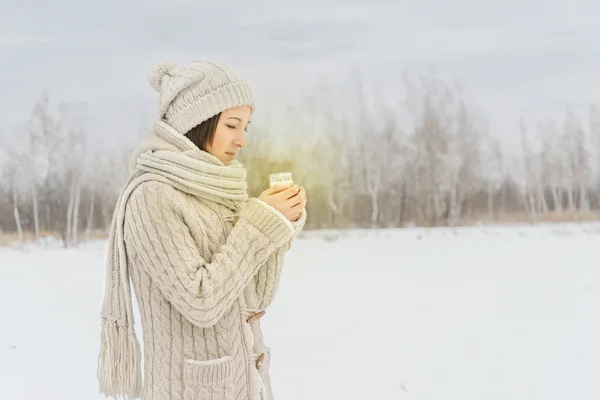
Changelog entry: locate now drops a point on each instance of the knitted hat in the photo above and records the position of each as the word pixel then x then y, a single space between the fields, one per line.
pixel 193 93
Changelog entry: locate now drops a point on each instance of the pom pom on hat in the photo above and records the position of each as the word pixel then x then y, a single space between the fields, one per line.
pixel 158 72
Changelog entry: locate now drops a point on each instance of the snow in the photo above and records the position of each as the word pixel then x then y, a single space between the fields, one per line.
pixel 448 314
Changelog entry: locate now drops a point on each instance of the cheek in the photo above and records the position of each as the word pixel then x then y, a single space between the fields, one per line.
pixel 220 140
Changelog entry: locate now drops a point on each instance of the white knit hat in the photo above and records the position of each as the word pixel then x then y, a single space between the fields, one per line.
pixel 195 92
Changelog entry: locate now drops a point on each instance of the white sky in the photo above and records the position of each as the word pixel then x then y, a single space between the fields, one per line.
pixel 526 57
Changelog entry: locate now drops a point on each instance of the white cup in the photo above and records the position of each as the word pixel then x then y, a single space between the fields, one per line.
pixel 281 178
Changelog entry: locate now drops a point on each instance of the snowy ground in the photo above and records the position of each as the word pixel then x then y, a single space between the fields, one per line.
pixel 474 313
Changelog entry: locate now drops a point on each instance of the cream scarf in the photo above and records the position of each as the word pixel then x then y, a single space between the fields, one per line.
pixel 169 157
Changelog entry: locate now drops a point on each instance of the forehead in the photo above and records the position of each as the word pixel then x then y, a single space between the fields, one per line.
pixel 243 113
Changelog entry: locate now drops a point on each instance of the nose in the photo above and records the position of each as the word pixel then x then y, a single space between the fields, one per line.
pixel 240 140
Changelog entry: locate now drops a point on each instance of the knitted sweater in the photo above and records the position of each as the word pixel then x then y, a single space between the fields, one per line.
pixel 202 281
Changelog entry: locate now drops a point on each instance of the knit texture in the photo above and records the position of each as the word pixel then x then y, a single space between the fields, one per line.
pixel 191 94
pixel 203 259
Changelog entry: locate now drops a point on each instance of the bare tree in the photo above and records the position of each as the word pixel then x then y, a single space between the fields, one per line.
pixel 74 166
pixel 437 163
pixel 42 133
pixel 552 159
pixel 466 153
pixel 594 132
pixel 12 173
pixel 533 198
pixel 369 141
pixel 495 172
pixel 94 172
pixel 579 162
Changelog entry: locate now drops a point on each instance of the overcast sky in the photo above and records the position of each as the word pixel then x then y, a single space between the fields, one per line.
pixel 525 57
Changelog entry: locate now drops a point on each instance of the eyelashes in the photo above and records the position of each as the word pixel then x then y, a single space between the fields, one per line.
pixel 234 127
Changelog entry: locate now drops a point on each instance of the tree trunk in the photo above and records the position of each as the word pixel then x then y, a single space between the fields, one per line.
pixel 570 199
pixel 529 203
pixel 490 202
pixel 556 199
pixel 47 220
pixel 374 208
pixel 542 203
pixel 451 220
pixel 68 236
pixel 36 215
pixel 90 218
pixel 504 200
pixel 16 212
pixel 469 207
pixel 429 213
pixel 457 212
pixel 583 199
pixel 76 211
pixel 403 203
pixel 105 215
pixel 421 216
pixel 438 209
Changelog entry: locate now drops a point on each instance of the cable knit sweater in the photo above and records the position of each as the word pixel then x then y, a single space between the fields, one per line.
pixel 205 263
pixel 202 282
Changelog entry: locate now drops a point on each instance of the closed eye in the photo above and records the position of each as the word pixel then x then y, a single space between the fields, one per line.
pixel 235 127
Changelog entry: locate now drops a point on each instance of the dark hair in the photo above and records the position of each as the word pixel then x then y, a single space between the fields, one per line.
pixel 202 135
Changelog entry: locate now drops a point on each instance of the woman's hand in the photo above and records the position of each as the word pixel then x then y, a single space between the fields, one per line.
pixel 290 201
pixel 301 197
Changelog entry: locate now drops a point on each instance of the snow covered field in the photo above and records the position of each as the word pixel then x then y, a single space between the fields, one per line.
pixel 473 313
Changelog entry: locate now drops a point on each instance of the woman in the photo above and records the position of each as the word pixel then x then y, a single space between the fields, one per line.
pixel 204 258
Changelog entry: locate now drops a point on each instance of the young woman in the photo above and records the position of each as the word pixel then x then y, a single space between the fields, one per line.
pixel 204 258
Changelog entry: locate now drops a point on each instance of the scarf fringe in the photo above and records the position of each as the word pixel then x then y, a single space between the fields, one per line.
pixel 119 367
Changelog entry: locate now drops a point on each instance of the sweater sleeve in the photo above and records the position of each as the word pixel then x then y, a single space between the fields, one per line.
pixel 202 291
pixel 267 279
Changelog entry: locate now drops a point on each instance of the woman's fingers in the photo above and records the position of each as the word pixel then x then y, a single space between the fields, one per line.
pixel 289 193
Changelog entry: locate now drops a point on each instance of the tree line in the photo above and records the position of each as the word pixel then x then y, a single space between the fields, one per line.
pixel 424 157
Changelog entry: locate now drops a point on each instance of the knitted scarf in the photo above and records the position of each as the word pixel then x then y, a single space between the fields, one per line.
pixel 169 157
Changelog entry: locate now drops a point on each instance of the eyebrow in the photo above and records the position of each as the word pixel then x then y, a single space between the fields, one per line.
pixel 237 119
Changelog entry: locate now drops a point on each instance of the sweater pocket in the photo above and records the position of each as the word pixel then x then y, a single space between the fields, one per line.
pixel 211 379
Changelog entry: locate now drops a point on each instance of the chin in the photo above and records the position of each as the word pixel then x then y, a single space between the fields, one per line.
pixel 226 158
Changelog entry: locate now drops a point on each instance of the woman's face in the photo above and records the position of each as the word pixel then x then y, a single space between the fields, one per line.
pixel 230 134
